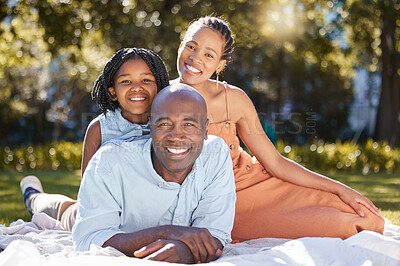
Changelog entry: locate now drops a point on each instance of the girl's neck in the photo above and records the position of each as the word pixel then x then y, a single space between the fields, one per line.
pixel 137 119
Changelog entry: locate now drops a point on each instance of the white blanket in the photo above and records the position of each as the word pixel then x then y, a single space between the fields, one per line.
pixel 41 242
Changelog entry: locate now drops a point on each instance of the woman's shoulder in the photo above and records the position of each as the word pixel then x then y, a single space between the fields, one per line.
pixel 236 94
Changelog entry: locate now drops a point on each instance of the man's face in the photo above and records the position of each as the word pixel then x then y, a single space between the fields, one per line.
pixel 178 129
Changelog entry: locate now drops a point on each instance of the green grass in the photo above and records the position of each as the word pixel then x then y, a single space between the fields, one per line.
pixel 12 206
pixel 382 189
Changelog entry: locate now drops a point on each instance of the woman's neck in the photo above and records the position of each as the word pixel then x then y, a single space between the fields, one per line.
pixel 202 88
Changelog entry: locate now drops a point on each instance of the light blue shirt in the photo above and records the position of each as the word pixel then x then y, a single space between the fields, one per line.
pixel 121 193
pixel 114 126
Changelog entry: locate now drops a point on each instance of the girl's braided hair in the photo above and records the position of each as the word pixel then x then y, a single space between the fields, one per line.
pixel 218 25
pixel 106 79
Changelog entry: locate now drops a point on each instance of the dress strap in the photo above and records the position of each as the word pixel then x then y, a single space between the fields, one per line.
pixel 226 100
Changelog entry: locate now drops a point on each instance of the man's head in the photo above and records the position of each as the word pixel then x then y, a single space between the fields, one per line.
pixel 178 128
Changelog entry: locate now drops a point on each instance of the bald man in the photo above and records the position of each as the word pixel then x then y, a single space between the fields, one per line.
pixel 167 198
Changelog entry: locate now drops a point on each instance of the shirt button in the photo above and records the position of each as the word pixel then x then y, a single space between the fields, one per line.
pixel 248 167
pixel 160 184
pixel 232 147
pixel 177 221
pixel 227 124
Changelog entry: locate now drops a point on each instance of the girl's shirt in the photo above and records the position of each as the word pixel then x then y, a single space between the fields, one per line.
pixel 114 126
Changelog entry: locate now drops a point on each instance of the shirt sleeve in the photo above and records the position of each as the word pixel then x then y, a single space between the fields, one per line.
pixel 216 209
pixel 99 209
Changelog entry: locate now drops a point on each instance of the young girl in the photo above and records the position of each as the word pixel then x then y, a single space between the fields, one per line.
pixel 276 197
pixel 124 92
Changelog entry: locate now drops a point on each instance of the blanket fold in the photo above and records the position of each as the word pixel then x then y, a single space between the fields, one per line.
pixel 43 242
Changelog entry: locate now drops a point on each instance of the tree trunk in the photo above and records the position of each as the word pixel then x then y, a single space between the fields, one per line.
pixel 387 124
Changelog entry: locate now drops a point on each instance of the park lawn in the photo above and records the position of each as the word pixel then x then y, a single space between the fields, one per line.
pixel 382 189
pixel 12 206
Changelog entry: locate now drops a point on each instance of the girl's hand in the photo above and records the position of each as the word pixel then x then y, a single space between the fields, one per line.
pixel 354 199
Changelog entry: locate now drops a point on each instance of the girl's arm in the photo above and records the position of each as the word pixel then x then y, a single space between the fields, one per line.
pixel 255 139
pixel 91 143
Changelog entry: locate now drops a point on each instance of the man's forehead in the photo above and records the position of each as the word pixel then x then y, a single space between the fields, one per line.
pixel 180 103
pixel 193 116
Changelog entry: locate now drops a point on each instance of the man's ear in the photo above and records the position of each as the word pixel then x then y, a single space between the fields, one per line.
pixel 113 94
pixel 206 129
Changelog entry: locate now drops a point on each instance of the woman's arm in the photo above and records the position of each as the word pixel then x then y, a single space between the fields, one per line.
pixel 255 139
pixel 91 143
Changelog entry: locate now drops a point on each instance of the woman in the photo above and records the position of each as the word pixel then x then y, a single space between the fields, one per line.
pixel 276 197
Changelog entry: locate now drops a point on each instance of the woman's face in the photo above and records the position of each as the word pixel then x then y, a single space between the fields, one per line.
pixel 199 56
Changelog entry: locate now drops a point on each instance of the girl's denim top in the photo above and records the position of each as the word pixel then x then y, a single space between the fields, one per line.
pixel 115 127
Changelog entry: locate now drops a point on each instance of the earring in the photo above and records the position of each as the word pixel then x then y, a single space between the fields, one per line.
pixel 217 79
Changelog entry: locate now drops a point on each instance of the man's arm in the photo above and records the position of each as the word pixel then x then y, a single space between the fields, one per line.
pixel 152 244
pixel 100 200
pixel 212 220
pixel 216 209
pixel 213 217
pixel 98 221
pixel 216 216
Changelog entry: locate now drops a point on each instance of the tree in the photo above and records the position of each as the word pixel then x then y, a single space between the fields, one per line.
pixel 288 55
pixel 374 34
pixel 388 118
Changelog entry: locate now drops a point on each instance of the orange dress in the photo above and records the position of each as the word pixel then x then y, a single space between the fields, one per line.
pixel 267 206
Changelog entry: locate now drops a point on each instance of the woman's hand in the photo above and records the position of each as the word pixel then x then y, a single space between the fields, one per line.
pixel 354 199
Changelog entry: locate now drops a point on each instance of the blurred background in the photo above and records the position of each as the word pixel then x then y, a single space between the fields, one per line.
pixel 314 69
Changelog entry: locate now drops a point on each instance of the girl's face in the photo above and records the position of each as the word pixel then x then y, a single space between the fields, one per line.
pixel 135 88
pixel 199 56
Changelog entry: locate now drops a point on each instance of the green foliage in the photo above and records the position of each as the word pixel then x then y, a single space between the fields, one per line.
pixel 370 157
pixel 56 49
pixel 50 156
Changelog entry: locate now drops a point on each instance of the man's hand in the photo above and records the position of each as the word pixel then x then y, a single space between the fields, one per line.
pixel 166 250
pixel 201 243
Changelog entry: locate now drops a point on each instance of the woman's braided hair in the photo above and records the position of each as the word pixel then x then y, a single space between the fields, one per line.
pixel 218 25
pixel 106 79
